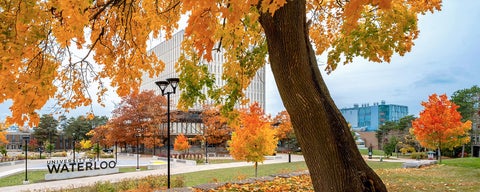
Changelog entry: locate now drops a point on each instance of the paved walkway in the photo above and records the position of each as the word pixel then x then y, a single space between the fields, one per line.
pixel 122 161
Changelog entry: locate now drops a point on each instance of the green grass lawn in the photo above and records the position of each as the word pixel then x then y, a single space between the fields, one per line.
pixel 452 175
pixel 374 152
pixel 39 176
pixel 17 179
pixel 239 173
pixel 463 162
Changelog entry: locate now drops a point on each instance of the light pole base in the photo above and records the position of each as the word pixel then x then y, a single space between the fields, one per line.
pixel 26 182
pixel 137 169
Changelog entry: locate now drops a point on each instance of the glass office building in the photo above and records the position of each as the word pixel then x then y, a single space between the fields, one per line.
pixel 367 117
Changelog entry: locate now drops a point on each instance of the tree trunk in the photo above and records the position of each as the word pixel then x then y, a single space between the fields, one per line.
pixel 256 168
pixel 334 162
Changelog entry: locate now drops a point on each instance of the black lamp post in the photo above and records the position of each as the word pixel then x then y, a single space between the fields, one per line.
pixel 74 142
pixel 116 152
pixel 26 138
pixel 206 151
pixel 138 154
pixel 173 82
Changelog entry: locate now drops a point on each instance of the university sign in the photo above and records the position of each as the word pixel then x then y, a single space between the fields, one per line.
pixel 85 167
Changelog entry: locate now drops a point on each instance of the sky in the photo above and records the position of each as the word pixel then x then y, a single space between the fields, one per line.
pixel 443 60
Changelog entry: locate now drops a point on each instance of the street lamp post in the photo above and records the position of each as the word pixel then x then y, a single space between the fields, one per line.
pixel 206 151
pixel 138 154
pixel 74 142
pixel 116 152
pixel 26 138
pixel 173 82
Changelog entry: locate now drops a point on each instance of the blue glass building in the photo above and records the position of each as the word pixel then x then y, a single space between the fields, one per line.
pixel 369 117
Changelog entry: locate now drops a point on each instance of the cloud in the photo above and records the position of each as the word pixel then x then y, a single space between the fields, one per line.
pixel 435 79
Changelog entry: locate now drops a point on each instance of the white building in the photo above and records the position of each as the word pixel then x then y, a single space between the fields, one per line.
pixel 169 52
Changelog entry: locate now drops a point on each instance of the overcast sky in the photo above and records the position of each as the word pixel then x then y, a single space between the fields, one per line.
pixel 443 60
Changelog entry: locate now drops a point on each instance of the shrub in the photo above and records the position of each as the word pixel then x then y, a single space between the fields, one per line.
pixel 103 155
pixel 418 155
pixel 59 154
pixel 3 151
pixel 407 149
pixel 178 181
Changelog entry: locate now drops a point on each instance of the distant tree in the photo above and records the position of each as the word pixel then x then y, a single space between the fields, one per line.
pixel 216 130
pixel 383 131
pixel 79 127
pixel 181 143
pixel 46 129
pixel 138 113
pixel 405 123
pixel 253 136
pixel 284 130
pixel 49 147
pixel 439 125
pixel 398 129
pixel 33 144
pixel 390 146
pixel 102 134
pixel 82 125
pixel 468 101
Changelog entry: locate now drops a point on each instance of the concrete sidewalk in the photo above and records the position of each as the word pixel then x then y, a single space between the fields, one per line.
pixel 175 169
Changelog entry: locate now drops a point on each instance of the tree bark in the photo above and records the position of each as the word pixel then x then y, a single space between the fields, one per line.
pixel 332 157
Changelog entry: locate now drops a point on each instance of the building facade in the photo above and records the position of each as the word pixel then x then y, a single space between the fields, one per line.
pixel 169 52
pixel 370 117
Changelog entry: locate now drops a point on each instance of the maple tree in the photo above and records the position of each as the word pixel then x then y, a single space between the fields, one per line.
pixel 138 113
pixel 253 136
pixel 38 35
pixel 181 143
pixel 33 144
pixel 284 130
pixel 216 130
pixel 439 125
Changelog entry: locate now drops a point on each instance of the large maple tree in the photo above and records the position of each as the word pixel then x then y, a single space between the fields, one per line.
pixel 439 125
pixel 37 36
